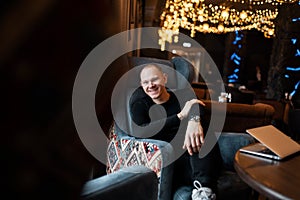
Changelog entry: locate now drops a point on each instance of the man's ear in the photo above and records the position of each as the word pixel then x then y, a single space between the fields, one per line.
pixel 165 77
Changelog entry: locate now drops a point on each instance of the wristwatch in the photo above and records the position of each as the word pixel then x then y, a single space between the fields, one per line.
pixel 195 118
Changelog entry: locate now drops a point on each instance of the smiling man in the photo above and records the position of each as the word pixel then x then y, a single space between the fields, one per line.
pixel 189 168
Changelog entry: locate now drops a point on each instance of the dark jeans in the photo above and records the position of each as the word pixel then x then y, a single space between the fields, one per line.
pixel 206 170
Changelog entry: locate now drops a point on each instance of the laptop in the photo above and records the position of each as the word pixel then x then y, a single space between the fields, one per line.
pixel 272 143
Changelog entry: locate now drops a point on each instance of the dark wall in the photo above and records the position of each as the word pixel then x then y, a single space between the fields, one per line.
pixel 259 51
pixel 39 58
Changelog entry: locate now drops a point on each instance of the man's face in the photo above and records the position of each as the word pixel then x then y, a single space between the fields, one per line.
pixel 153 82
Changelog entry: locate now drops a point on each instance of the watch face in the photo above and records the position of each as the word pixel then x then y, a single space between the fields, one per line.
pixel 195 118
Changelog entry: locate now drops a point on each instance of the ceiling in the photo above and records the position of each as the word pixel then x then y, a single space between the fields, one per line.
pixel 152 13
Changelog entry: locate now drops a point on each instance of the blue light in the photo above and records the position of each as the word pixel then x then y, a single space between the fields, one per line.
pixel 233 76
pixel 296 87
pixel 231 81
pixel 292 93
pixel 296 19
pixel 293 69
pixel 234 55
pixel 238 37
pixel 236 62
pixel 286 76
pixel 298 53
pixel 294 40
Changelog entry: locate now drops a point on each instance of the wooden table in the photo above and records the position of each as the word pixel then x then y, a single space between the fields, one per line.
pixel 273 179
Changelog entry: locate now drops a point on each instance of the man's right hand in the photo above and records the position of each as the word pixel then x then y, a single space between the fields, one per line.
pixel 194 137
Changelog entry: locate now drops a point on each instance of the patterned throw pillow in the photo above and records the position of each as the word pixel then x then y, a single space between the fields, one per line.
pixel 130 151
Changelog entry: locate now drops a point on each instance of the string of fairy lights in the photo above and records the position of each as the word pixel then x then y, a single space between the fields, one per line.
pixel 217 17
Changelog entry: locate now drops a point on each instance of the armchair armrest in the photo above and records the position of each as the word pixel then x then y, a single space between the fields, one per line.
pixel 134 183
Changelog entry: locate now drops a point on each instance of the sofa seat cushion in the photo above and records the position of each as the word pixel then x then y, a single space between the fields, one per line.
pixel 230 143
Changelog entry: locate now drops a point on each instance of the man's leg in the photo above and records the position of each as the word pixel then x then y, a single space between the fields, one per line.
pixel 182 172
pixel 207 169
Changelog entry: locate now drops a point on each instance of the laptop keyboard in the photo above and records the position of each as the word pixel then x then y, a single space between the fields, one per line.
pixel 267 151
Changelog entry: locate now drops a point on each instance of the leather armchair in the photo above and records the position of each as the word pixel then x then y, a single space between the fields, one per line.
pixel 132 183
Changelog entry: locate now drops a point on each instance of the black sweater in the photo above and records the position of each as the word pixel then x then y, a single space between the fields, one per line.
pixel 165 123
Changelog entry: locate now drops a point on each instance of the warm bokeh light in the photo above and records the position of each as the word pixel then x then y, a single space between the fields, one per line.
pixel 219 16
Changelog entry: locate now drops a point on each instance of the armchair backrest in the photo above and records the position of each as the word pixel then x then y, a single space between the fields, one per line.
pixel 186 69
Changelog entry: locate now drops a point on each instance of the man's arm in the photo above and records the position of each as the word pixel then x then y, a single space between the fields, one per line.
pixel 193 110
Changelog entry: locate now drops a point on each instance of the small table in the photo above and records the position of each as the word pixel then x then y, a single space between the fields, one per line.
pixel 273 179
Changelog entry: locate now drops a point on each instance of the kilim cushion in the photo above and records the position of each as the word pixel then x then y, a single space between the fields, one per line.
pixel 124 152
